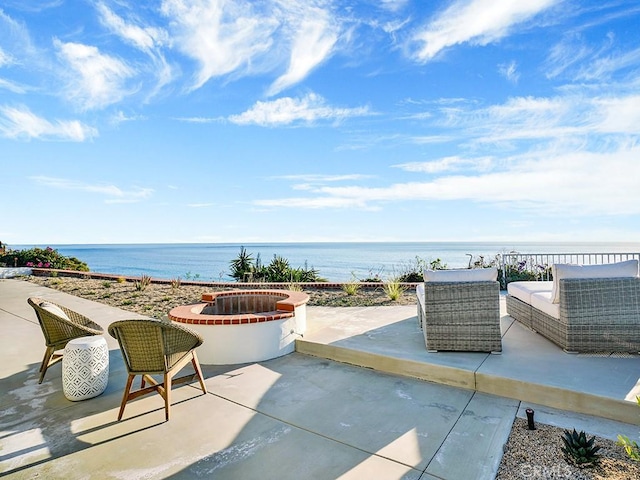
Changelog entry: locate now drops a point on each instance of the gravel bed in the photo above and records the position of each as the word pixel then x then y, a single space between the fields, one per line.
pixel 536 454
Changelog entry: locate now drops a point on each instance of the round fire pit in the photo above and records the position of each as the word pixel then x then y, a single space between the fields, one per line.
pixel 242 326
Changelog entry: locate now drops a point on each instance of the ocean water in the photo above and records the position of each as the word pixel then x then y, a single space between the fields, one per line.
pixel 335 262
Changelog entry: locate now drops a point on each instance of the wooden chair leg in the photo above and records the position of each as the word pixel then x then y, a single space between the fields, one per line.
pixel 167 394
pixel 196 367
pixel 125 397
pixel 45 362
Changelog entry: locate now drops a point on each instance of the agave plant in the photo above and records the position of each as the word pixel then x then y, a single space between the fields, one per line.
pixel 579 449
pixel 143 283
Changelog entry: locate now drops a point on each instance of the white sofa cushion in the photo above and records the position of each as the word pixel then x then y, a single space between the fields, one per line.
pixel 542 301
pixel 462 275
pixel 626 269
pixel 523 290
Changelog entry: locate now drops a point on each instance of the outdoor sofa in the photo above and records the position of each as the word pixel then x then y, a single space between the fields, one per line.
pixel 459 310
pixel 586 308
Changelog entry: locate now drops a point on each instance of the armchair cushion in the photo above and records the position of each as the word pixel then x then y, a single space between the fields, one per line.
pixel 54 309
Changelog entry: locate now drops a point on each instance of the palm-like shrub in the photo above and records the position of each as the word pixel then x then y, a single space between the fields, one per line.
pixel 245 269
pixel 242 265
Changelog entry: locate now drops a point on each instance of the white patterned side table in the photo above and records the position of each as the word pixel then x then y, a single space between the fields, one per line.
pixel 85 367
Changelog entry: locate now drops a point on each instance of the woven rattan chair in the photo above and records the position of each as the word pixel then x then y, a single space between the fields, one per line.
pixel 59 325
pixel 461 316
pixel 154 347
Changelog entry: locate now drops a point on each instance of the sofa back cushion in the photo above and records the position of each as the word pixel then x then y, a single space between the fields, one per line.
pixel 626 269
pixel 462 275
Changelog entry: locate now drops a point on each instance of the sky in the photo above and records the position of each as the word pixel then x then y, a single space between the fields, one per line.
pixel 324 120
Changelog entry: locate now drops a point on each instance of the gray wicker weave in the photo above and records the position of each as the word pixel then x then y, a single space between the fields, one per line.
pixel 59 331
pixel 596 315
pixel 461 316
pixel 519 310
pixel 156 347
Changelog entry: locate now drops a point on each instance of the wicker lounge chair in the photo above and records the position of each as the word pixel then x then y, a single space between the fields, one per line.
pixel 155 347
pixel 59 326
pixel 460 316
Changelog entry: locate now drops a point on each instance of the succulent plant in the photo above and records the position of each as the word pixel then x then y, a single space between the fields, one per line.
pixel 579 449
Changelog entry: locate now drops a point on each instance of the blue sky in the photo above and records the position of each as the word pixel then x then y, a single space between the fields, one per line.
pixel 290 120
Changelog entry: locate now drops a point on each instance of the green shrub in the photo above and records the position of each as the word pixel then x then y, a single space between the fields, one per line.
pixel 631 447
pixel 143 283
pixel 372 276
pixel 413 272
pixel 393 289
pixel 526 270
pixel 42 258
pixel 352 287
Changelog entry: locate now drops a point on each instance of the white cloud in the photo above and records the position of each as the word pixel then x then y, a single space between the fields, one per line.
pixel 200 119
pixel 563 117
pixel 221 35
pixel 310 182
pixel 20 122
pixel 571 183
pixel 235 38
pixel 448 164
pixel 393 5
pixel 319 178
pixel 312 203
pixel 478 22
pixel 11 86
pixel 113 193
pixel 564 55
pixel 602 67
pixel 95 80
pixel 143 38
pixel 287 110
pixel 509 71
pixel 5 58
pixel 313 39
pixel 120 117
pixel 14 35
pixel 617 115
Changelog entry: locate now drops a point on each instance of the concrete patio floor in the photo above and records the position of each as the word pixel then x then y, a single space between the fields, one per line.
pixel 314 414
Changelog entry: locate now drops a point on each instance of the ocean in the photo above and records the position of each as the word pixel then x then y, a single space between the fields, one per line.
pixel 335 262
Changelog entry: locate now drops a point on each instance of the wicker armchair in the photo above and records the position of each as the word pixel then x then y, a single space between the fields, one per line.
pixel 59 326
pixel 155 347
pixel 460 316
